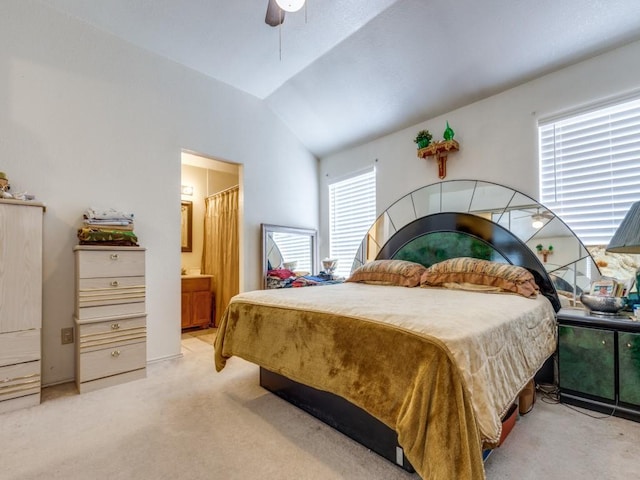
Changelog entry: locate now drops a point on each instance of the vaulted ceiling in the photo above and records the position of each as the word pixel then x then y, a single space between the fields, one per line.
pixel 343 72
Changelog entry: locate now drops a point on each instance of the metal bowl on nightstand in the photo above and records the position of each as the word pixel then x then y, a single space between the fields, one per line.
pixel 600 305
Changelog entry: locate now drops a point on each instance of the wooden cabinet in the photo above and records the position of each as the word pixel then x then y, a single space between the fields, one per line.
pixel 196 301
pixel 20 303
pixel 110 316
pixel 599 362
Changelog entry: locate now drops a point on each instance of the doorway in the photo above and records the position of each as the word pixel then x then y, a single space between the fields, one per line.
pixel 206 288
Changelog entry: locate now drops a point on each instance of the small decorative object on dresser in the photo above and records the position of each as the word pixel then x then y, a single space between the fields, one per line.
pixel 603 304
pixel 4 182
pixel 20 303
pixel 110 316
pixel 329 266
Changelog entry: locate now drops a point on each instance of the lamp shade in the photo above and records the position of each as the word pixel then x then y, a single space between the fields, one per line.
pixel 290 5
pixel 627 236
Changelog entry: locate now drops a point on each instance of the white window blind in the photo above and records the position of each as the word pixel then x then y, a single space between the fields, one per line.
pixel 294 248
pixel 352 211
pixel 590 169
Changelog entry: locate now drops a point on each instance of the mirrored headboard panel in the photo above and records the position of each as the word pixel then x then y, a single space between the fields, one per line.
pixel 555 245
pixel 288 245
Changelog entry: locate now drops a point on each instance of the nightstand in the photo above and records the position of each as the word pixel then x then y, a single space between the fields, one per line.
pixel 599 362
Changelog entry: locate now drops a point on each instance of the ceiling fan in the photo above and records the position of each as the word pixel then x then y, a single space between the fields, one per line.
pixel 277 8
pixel 540 218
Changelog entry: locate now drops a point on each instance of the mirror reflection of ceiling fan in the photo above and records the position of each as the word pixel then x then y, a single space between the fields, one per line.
pixel 277 8
pixel 540 218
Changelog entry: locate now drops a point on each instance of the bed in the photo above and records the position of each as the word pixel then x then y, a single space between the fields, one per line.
pixel 422 376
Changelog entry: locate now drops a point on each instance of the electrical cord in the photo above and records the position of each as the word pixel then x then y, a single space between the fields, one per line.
pixel 551 394
pixel 597 417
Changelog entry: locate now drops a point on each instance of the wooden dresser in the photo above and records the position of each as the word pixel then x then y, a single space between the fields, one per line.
pixel 20 303
pixel 196 301
pixel 110 316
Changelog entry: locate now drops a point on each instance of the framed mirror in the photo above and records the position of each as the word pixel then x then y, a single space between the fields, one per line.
pixel 292 247
pixel 186 225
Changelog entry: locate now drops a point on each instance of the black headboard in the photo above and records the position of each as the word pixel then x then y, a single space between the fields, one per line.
pixel 440 236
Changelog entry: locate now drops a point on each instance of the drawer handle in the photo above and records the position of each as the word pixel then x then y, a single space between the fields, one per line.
pixel 114 256
pixel 115 283
pixel 115 353
pixel 603 342
pixel 115 326
pixel 628 345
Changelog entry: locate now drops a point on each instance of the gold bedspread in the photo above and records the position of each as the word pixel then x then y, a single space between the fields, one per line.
pixel 438 366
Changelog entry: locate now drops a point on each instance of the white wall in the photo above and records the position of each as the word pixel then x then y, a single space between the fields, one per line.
pixel 498 136
pixel 88 120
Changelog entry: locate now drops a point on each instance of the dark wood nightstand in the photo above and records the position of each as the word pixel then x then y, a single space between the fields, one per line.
pixel 599 362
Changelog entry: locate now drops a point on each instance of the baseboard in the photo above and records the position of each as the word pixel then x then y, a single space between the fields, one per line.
pixel 162 359
pixel 59 382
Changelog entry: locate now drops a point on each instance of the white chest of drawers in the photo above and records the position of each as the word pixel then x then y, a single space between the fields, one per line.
pixel 110 316
pixel 20 303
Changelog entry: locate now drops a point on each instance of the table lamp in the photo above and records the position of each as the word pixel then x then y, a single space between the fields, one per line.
pixel 627 239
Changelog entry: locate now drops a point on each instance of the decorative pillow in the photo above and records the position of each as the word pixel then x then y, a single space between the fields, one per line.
pixel 389 272
pixel 466 270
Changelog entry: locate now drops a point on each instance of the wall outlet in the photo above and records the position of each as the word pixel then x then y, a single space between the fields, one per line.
pixel 67 335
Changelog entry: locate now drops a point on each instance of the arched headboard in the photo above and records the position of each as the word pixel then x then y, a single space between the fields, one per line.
pixel 483 220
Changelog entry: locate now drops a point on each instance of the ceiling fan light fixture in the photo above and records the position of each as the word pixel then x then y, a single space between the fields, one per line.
pixel 290 5
pixel 537 221
pixel 540 218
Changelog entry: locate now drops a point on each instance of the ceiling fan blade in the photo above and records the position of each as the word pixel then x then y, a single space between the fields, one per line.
pixel 275 15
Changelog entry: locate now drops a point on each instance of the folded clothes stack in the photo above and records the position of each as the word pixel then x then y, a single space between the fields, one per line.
pixel 107 227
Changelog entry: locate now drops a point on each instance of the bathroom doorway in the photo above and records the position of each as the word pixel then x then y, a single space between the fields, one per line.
pixel 210 260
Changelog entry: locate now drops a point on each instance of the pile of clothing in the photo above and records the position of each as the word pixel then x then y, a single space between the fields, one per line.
pixel 280 278
pixel 107 227
pixel 284 278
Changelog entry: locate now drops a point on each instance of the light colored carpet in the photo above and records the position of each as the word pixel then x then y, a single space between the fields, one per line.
pixel 185 421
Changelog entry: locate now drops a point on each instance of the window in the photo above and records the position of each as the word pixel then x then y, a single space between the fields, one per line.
pixel 590 168
pixel 352 211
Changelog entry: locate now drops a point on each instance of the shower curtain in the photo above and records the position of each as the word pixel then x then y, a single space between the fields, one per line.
pixel 220 253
